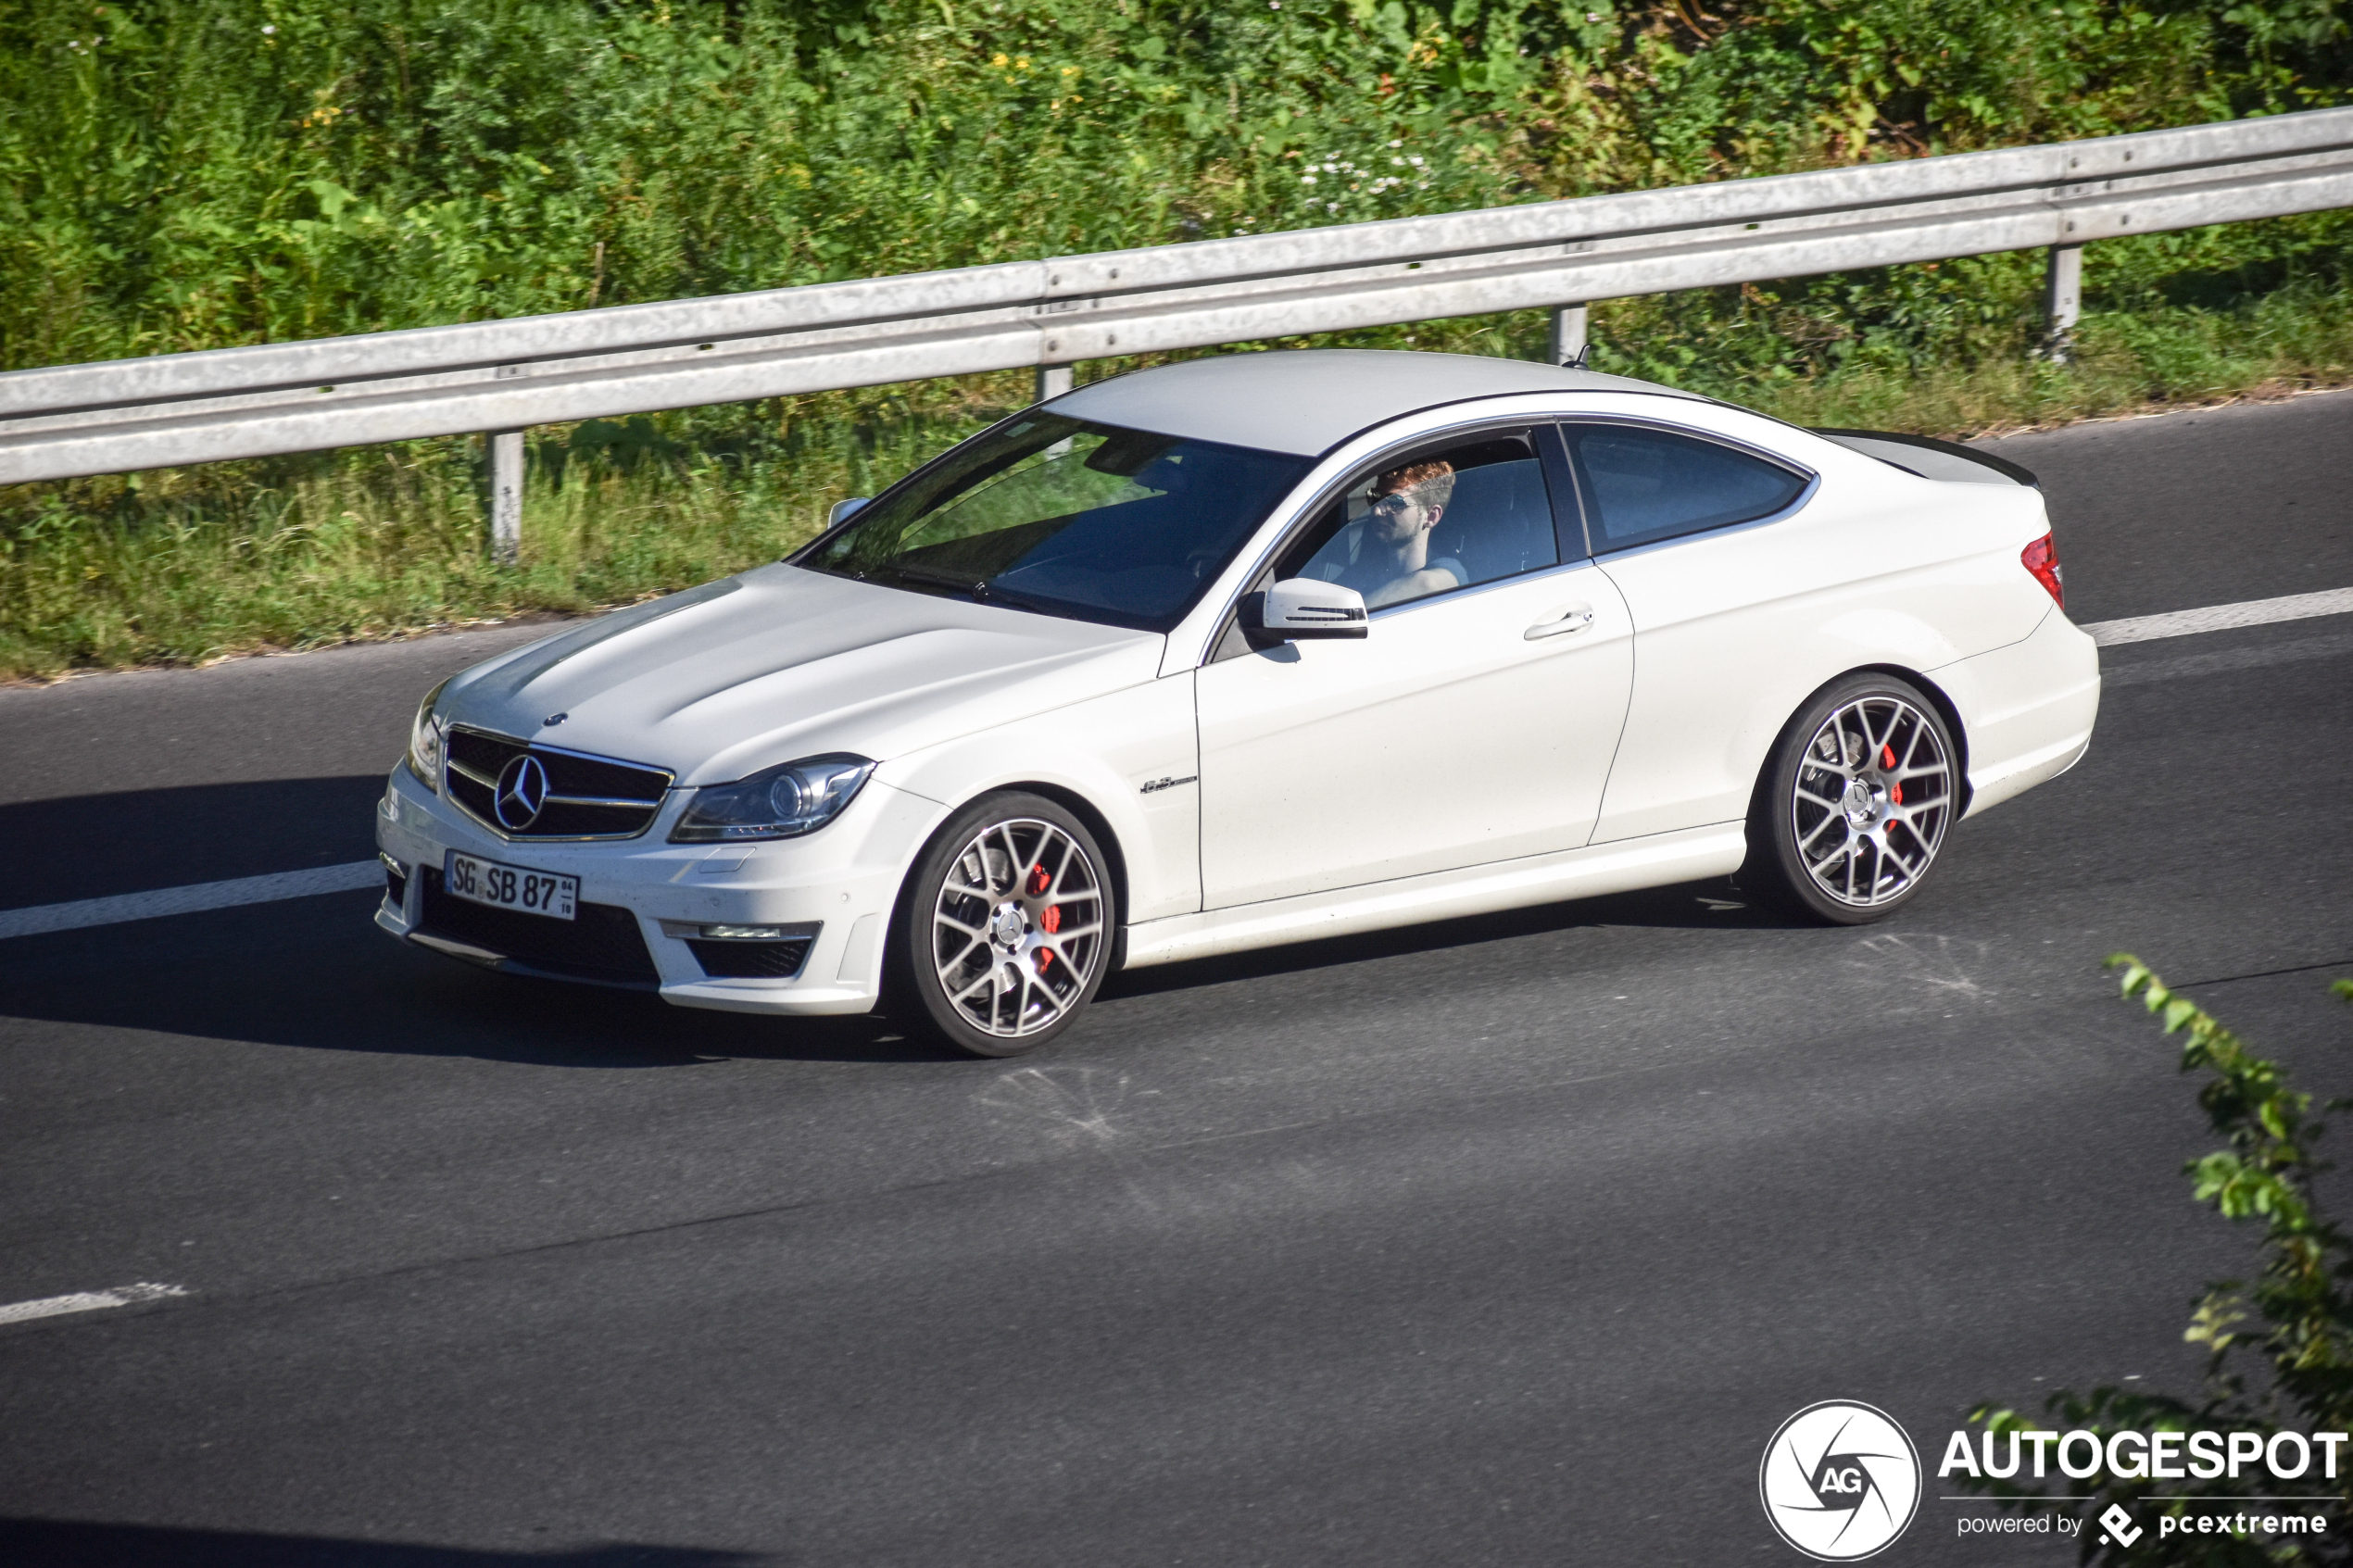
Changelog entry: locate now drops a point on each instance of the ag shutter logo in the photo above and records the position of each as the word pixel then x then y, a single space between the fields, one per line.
pixel 1839 1481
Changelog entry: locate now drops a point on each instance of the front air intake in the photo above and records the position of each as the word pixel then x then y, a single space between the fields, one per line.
pixel 751 960
pixel 601 943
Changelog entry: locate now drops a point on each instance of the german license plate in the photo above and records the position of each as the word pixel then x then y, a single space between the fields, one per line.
pixel 510 887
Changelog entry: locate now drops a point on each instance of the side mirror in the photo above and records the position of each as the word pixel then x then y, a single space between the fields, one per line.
pixel 1301 609
pixel 843 508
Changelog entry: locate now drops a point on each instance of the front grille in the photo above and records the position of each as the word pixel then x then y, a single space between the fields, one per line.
pixel 588 797
pixel 602 942
pixel 751 960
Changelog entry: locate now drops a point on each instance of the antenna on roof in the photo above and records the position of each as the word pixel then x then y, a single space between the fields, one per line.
pixel 1577 360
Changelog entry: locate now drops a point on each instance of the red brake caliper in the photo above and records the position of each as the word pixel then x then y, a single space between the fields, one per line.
pixel 1052 917
pixel 1887 761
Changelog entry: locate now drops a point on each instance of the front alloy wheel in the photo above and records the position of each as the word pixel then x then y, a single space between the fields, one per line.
pixel 1861 793
pixel 1006 932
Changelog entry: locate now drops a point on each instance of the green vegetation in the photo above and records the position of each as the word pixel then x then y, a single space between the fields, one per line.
pixel 180 174
pixel 2294 1322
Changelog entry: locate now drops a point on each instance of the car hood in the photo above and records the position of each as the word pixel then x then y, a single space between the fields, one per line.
pixel 778 663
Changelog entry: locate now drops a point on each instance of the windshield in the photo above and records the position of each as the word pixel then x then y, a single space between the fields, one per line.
pixel 1051 514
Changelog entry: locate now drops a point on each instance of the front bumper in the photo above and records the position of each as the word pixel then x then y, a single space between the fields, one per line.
pixel 842 881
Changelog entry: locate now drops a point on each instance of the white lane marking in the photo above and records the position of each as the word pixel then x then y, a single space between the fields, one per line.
pixel 190 899
pixel 364 873
pixel 2182 667
pixel 88 1301
pixel 2221 618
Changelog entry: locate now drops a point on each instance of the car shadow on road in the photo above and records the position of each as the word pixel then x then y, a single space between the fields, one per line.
pixel 66 1543
pixel 96 846
pixel 1716 904
pixel 316 973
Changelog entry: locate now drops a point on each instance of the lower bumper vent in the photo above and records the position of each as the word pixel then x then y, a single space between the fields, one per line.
pixel 751 960
pixel 602 944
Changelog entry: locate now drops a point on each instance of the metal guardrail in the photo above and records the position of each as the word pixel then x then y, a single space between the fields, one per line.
pixel 500 376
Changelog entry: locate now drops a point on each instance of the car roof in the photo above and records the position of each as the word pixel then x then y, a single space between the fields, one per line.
pixel 1307 401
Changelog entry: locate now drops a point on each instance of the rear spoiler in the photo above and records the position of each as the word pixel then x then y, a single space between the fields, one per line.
pixel 1932 458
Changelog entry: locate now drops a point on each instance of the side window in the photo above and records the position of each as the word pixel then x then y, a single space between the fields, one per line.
pixel 1644 485
pixel 1433 521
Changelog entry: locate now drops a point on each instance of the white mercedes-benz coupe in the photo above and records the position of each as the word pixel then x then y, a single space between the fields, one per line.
pixel 1248 650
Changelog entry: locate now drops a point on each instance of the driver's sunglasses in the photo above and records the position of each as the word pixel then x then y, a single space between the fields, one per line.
pixel 1395 503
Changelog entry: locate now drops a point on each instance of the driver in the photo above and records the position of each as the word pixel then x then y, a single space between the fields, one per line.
pixel 1388 550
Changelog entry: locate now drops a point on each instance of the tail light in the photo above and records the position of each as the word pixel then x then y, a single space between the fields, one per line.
pixel 2041 557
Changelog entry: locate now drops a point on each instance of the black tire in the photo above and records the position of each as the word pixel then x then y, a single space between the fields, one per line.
pixel 1004 930
pixel 1854 803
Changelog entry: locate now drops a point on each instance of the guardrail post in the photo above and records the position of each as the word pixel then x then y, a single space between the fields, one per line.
pixel 2062 303
pixel 1568 332
pixel 505 495
pixel 1053 382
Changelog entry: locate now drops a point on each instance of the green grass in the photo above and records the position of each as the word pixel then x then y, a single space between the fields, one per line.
pixel 179 567
pixel 2296 339
pixel 183 566
pixel 187 174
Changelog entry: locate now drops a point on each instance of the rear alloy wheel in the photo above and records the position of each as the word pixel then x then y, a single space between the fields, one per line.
pixel 1005 932
pixel 1857 801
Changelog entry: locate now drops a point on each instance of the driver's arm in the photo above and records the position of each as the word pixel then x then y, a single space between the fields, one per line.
pixel 1412 586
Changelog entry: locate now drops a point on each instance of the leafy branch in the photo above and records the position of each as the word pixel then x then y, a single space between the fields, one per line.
pixel 2294 1321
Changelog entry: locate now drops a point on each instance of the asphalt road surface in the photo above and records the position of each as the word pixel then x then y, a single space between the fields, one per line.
pixel 1508 1240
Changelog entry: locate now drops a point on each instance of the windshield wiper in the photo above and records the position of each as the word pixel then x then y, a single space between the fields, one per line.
pixel 978 589
pixel 971 587
pixel 1019 600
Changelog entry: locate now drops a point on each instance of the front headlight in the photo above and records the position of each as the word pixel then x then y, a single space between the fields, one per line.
pixel 774 803
pixel 424 742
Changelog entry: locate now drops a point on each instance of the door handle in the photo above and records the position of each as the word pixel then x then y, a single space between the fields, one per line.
pixel 1570 618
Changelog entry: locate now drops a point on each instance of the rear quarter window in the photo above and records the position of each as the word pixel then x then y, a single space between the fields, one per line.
pixel 1642 485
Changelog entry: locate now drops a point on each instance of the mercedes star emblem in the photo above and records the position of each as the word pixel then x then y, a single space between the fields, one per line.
pixel 523 790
